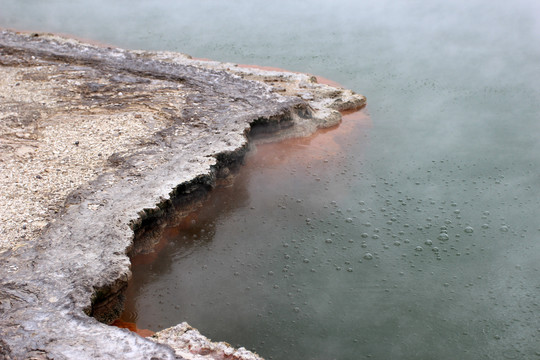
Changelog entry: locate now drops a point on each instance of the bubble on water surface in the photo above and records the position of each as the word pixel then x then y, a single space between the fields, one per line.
pixel 428 242
pixel 368 256
pixel 469 230
pixel 443 236
pixel 504 228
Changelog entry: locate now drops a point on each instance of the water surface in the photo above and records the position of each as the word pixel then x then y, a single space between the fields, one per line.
pixel 409 233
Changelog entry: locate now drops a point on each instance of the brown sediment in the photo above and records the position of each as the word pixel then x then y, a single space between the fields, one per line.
pixel 132 327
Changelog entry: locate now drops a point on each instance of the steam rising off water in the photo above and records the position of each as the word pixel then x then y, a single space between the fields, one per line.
pixel 410 232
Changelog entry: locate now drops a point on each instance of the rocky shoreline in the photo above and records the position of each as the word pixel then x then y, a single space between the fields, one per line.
pixel 98 146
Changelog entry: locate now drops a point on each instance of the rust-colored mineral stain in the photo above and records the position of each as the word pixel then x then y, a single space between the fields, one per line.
pixel 132 327
pixel 150 257
pixel 170 232
pixel 273 154
pixel 319 146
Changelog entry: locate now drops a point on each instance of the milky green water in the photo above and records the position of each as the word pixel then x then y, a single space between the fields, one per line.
pixel 409 233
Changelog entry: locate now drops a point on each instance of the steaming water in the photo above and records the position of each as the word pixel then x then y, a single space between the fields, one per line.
pixel 410 232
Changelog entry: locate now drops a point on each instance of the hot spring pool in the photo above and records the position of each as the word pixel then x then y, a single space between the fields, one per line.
pixel 409 232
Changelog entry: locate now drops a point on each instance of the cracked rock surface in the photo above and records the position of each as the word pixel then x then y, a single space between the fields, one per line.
pixel 95 143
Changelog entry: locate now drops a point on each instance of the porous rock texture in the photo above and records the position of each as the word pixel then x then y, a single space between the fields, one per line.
pixel 97 144
pixel 190 344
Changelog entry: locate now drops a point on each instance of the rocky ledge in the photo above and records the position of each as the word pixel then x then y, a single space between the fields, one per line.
pixel 98 146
